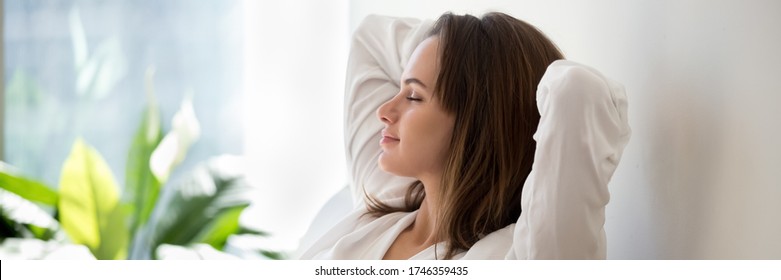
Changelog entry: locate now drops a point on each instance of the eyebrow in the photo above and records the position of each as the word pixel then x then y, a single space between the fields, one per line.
pixel 414 81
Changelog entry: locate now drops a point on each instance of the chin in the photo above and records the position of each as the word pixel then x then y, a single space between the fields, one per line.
pixel 388 167
pixel 384 165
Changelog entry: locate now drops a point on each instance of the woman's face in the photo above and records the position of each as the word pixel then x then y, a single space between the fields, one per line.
pixel 417 129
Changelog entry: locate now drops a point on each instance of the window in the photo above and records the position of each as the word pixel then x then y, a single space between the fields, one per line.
pixel 77 69
pixel 263 79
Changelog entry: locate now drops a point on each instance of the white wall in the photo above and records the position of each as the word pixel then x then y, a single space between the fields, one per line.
pixel 701 177
pixel 295 58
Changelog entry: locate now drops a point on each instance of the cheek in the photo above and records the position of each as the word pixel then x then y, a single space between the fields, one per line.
pixel 433 143
pixel 440 145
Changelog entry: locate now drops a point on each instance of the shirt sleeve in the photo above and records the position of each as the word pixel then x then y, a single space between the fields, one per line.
pixel 381 47
pixel 582 133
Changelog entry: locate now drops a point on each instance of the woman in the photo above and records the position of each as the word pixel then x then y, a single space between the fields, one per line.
pixel 462 124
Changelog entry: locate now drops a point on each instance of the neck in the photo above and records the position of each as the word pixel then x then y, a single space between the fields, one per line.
pixel 425 229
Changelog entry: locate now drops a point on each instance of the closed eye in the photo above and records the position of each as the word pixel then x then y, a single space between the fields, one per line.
pixel 414 96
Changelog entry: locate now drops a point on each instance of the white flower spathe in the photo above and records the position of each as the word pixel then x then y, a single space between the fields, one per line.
pixel 173 148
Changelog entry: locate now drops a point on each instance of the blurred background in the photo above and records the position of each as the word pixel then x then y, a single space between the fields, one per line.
pixel 264 79
pixel 258 87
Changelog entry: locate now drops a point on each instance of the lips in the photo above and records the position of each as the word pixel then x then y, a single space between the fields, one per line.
pixel 388 138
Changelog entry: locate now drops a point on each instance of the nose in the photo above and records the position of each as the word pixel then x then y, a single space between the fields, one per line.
pixel 387 111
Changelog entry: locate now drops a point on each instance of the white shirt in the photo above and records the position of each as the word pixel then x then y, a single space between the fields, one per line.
pixel 582 132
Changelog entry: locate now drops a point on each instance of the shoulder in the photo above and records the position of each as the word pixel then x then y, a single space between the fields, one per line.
pixel 357 236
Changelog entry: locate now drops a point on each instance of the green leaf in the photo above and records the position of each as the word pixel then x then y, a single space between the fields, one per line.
pixel 244 230
pixel 273 255
pixel 88 205
pixel 27 217
pixel 142 187
pixel 9 227
pixel 204 207
pixel 217 231
pixel 27 189
pixel 42 233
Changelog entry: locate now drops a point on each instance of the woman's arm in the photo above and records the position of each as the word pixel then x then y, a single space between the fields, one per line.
pixel 381 47
pixel 582 132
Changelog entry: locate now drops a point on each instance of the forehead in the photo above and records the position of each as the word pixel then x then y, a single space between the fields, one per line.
pixel 423 65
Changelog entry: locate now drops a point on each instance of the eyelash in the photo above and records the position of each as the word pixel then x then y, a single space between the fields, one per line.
pixel 410 98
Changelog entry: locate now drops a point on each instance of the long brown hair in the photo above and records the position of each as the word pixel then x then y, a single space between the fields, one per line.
pixel 489 71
